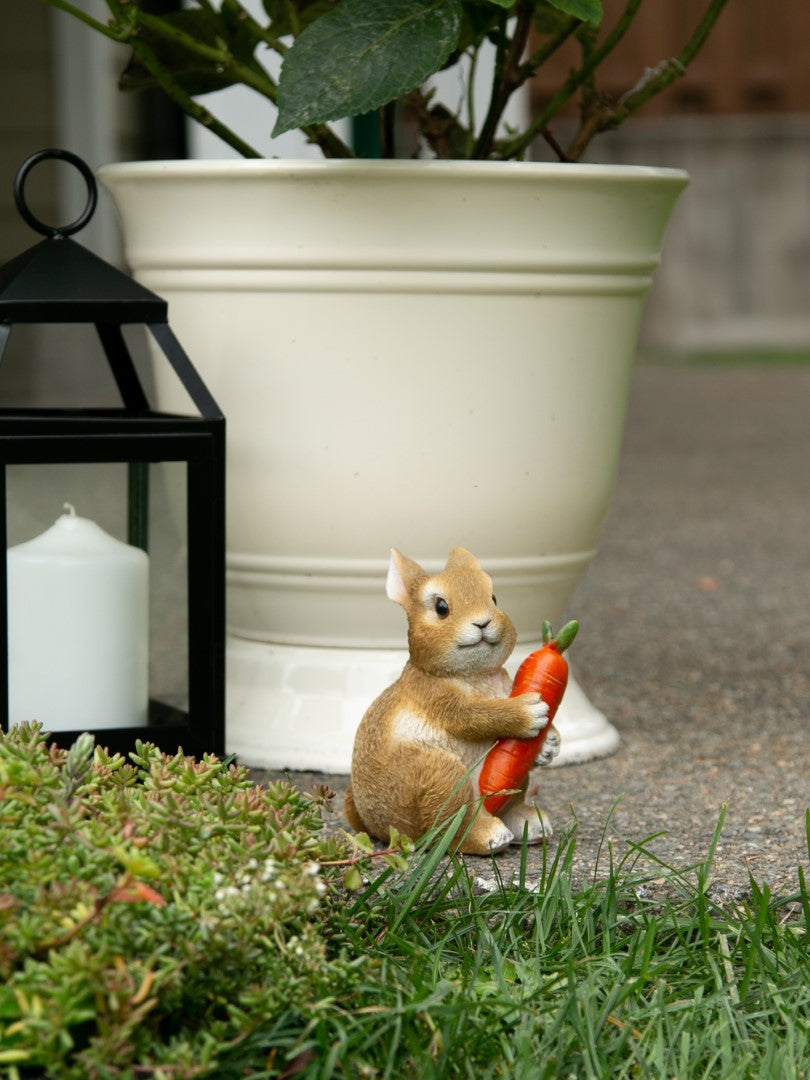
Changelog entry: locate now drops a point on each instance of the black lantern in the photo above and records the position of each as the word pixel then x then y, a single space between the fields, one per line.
pixel 74 596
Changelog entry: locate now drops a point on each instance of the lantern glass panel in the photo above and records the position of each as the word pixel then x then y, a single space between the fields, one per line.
pixel 37 495
pixel 102 494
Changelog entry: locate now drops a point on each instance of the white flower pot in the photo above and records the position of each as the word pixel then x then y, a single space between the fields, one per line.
pixel 411 354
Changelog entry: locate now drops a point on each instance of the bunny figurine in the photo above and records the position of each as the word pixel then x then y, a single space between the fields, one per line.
pixel 419 748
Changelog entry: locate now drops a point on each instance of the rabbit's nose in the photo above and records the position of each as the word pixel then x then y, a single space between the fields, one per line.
pixel 483 625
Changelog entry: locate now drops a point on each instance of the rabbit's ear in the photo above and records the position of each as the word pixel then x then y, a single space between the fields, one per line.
pixel 404 577
pixel 461 559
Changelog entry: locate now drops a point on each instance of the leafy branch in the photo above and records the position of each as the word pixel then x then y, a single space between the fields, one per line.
pixel 593 57
pixel 606 116
pixel 395 856
pixel 127 890
pixel 351 57
pixel 601 113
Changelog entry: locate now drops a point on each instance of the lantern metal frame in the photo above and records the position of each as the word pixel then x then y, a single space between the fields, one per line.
pixel 58 282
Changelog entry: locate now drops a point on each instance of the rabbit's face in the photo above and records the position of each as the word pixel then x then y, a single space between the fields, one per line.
pixel 455 626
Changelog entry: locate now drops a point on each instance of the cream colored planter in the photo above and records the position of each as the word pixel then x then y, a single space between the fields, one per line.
pixel 410 354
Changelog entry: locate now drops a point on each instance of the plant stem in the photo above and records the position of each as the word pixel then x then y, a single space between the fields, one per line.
pixel 125 29
pixel 508 76
pixel 649 85
pixel 547 49
pixel 484 140
pixel 647 88
pixel 332 146
pixel 254 77
pixel 517 145
pixel 588 97
pixel 187 103
pixel 536 61
pixel 437 125
pixel 88 20
pixel 258 32
pixel 129 21
pixel 471 119
pixel 360 856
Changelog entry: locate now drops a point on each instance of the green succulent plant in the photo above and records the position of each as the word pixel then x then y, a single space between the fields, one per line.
pixel 154 911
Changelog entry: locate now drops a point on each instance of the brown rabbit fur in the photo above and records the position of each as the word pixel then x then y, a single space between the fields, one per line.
pixel 418 750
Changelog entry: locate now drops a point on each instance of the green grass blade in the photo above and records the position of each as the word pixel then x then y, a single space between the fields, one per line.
pixel 429 863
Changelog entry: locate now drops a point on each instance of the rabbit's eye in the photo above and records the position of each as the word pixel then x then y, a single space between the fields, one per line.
pixel 495 601
pixel 442 607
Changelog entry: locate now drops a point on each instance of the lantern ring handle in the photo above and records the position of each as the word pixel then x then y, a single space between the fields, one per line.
pixel 30 218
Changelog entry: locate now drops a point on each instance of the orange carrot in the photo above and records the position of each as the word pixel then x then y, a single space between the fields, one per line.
pixel 545 672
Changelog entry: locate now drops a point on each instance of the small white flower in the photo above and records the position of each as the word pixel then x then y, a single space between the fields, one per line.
pixel 225 893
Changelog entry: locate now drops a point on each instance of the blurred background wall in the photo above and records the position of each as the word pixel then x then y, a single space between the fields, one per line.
pixel 736 263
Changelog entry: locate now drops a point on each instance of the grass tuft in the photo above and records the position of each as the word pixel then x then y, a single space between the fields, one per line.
pixel 614 978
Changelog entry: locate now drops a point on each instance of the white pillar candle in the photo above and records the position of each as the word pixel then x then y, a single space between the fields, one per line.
pixel 78 617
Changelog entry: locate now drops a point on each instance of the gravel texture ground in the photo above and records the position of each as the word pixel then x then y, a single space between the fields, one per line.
pixel 695 634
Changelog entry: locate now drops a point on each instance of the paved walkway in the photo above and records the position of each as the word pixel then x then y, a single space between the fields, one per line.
pixel 695 635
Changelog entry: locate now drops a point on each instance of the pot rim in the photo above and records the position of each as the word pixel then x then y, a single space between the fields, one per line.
pixel 521 171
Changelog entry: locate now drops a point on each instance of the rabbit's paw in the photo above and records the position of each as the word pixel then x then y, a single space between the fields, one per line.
pixel 500 836
pixel 530 818
pixel 551 747
pixel 487 836
pixel 537 714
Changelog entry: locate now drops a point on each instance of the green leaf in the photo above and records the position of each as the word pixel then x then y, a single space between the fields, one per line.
pixel 396 862
pixel 353 879
pixel 503 3
pixel 195 74
pixel 567 635
pixel 363 842
pixel 590 11
pixel 136 862
pixel 362 55
pixel 13 1057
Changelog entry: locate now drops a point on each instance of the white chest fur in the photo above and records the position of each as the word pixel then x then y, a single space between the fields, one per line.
pixel 415 729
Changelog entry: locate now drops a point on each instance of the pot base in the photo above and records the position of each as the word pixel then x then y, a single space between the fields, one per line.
pixel 298 707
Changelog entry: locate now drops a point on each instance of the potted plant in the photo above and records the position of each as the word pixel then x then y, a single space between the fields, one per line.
pixel 411 353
